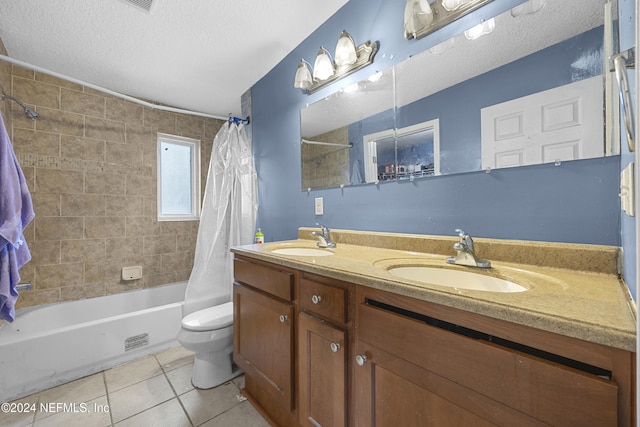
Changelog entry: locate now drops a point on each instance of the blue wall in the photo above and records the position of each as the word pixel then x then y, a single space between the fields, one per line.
pixel 576 202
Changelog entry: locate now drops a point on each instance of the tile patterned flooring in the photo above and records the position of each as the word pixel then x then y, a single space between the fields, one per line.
pixel 155 391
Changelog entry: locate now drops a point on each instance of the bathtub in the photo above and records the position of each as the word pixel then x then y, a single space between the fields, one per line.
pixel 53 344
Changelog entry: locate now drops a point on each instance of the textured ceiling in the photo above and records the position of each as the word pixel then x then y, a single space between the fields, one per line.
pixel 200 55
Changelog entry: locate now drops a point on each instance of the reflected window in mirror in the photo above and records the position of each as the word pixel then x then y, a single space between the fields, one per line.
pixel 404 154
pixel 418 150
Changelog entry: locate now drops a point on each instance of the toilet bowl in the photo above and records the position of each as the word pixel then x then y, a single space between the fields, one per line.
pixel 209 334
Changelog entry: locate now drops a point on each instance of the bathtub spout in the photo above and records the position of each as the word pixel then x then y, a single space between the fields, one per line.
pixel 24 286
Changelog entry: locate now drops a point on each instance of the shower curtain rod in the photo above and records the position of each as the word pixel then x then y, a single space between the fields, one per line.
pixel 107 91
pixel 333 144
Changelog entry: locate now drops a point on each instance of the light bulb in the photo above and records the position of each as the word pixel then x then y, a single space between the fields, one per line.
pixel 345 50
pixel 323 67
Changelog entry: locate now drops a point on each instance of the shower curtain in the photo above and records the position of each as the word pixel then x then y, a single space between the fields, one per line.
pixel 227 218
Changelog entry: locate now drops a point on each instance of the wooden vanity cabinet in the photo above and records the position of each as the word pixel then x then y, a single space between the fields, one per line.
pixel 321 352
pixel 418 367
pixel 324 325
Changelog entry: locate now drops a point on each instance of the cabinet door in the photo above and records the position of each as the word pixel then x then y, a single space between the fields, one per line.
pixel 322 359
pixel 389 391
pixel 488 369
pixel 263 341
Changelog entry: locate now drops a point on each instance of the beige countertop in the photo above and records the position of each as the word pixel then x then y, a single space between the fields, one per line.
pixel 573 290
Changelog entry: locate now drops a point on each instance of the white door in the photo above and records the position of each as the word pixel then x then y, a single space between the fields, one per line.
pixel 564 123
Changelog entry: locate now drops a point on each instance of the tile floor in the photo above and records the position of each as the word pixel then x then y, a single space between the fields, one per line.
pixel 155 391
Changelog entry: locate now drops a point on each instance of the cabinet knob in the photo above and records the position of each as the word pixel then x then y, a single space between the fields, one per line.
pixel 335 347
pixel 283 318
pixel 361 359
pixel 316 299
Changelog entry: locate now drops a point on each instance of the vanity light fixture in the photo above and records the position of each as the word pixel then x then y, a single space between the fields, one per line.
pixel 422 18
pixel 348 59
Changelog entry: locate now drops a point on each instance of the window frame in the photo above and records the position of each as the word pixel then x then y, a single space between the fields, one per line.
pixel 194 144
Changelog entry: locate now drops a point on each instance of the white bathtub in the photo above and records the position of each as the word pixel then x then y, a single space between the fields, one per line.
pixel 57 343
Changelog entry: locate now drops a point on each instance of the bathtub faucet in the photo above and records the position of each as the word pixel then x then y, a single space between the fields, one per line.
pixel 24 286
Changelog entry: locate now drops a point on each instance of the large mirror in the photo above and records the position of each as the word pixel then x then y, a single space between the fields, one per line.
pixel 458 106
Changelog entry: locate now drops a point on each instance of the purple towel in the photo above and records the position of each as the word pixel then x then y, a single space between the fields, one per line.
pixel 16 211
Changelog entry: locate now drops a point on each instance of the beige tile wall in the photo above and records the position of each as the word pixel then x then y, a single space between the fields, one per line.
pixel 5 78
pixel 90 162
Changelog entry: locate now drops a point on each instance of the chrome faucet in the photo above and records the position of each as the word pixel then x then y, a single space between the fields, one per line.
pixel 324 237
pixel 465 252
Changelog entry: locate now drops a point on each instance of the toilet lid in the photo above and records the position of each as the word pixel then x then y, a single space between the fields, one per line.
pixel 209 319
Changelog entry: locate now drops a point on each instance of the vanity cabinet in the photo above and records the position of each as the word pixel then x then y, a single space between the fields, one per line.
pixel 318 351
pixel 324 325
pixel 428 365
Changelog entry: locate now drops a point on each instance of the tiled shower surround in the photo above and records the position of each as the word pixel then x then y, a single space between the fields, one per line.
pixel 90 163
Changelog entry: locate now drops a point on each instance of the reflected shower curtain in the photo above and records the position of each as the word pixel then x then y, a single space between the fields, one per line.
pixel 227 219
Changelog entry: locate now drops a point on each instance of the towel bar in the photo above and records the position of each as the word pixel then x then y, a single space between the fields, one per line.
pixel 620 63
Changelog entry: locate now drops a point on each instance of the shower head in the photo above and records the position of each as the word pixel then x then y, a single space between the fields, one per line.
pixel 28 111
pixel 31 114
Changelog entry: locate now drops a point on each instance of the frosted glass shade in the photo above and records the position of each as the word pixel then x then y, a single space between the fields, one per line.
pixel 345 50
pixel 451 4
pixel 303 78
pixel 417 15
pixel 323 67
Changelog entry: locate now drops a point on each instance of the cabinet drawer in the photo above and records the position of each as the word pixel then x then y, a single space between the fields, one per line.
pixel 544 389
pixel 274 281
pixel 324 300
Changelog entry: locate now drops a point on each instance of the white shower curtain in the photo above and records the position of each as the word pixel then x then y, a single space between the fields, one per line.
pixel 227 219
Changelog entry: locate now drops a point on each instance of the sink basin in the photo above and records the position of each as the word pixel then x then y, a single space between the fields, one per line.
pixel 302 252
pixel 455 279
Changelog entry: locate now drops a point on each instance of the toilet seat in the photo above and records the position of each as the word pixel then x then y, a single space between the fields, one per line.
pixel 209 319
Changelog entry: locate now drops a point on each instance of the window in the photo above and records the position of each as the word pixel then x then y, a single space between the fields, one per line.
pixel 178 178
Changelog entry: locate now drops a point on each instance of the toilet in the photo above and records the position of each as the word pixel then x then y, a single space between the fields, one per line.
pixel 209 334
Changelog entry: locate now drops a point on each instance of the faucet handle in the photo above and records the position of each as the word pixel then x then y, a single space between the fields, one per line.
pixel 325 230
pixel 463 236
